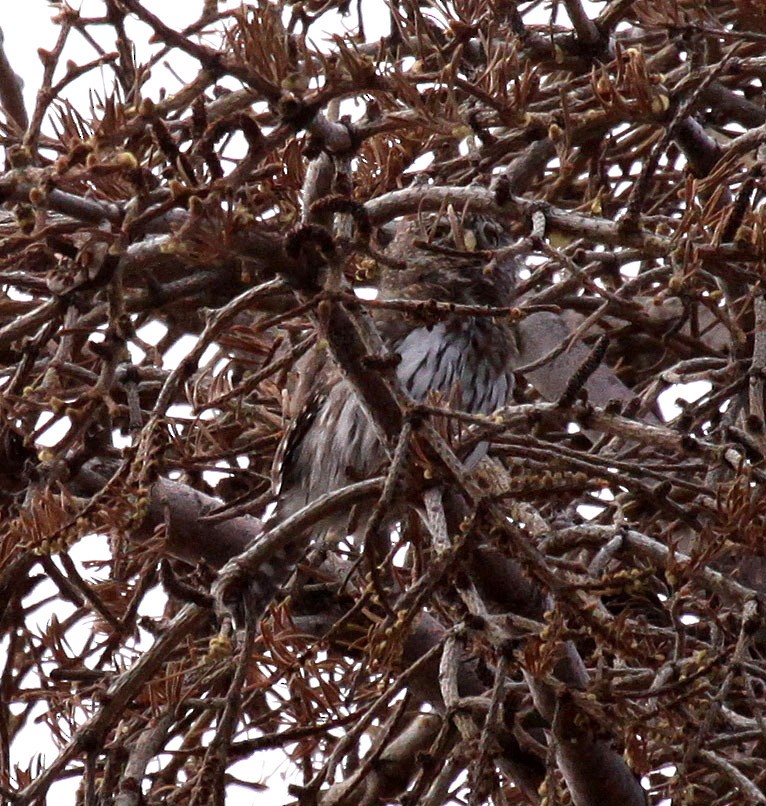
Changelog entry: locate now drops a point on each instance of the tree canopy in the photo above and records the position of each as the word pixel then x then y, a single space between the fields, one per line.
pixel 579 620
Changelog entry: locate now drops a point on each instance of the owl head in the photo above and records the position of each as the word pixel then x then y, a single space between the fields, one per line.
pixel 449 258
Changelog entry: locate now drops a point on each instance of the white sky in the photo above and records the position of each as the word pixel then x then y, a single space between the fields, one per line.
pixel 28 30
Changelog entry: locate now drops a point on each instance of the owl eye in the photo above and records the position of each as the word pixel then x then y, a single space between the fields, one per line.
pixel 489 234
pixel 441 234
pixel 479 233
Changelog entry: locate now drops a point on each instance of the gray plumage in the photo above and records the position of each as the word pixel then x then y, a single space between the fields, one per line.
pixel 463 362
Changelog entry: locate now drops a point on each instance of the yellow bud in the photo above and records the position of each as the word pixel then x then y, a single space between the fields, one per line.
pixel 127 160
pixel 660 104
pixel 555 132
pixel 37 196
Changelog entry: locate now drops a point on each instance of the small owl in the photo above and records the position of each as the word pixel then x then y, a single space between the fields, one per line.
pixel 461 361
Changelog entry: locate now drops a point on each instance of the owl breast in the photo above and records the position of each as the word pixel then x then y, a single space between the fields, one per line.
pixel 461 364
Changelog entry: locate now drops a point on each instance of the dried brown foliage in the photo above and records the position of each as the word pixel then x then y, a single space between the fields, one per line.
pixel 597 615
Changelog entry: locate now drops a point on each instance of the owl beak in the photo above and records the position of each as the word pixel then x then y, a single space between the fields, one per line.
pixel 464 238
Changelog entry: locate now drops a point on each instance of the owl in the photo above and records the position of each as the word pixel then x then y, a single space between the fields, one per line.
pixel 458 360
